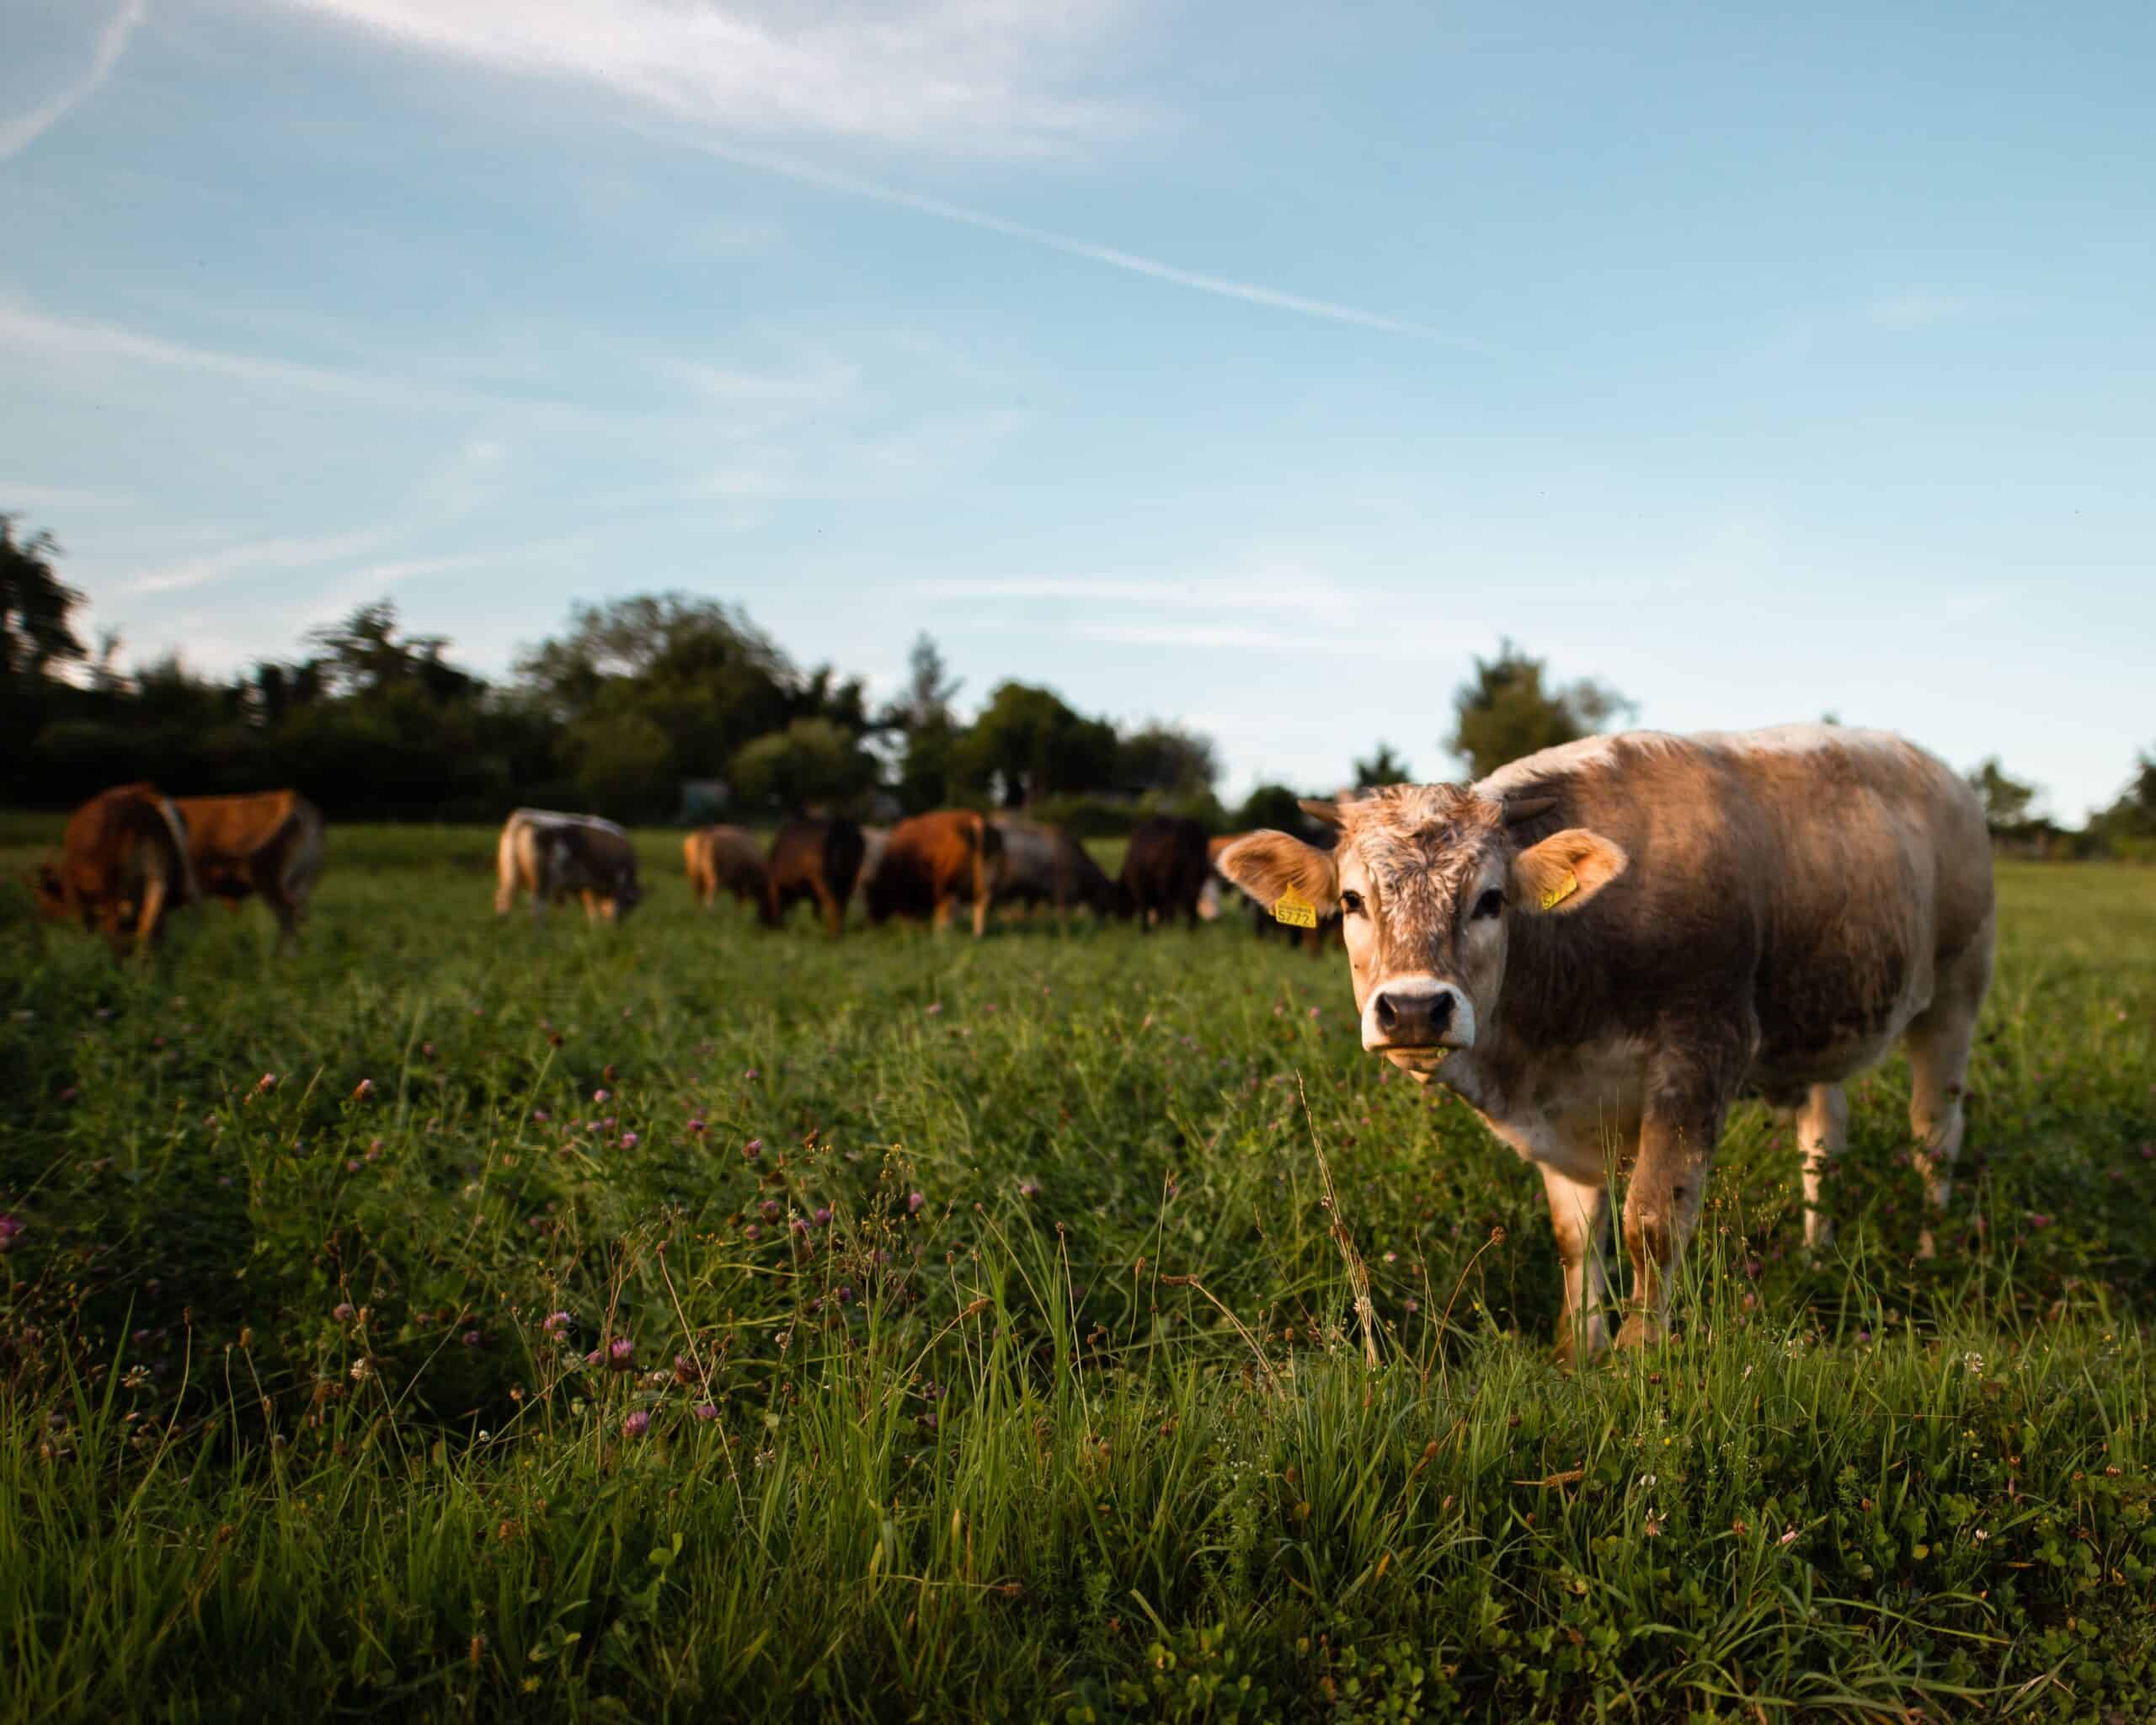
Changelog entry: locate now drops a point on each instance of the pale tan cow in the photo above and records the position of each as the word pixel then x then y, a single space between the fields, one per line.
pixel 554 856
pixel 1602 946
pixel 727 858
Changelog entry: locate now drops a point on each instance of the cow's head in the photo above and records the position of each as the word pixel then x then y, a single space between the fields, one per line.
pixel 51 892
pixel 1428 879
pixel 627 895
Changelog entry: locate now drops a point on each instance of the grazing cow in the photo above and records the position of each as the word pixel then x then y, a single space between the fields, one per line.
pixel 1602 946
pixel 552 856
pixel 934 861
pixel 726 858
pixel 267 844
pixel 122 865
pixel 816 860
pixel 1046 865
pixel 1165 869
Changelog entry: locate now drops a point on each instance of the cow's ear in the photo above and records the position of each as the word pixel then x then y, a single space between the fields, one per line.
pixel 1270 865
pixel 1565 871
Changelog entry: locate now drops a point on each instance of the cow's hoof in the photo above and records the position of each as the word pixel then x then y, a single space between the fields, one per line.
pixel 1640 1331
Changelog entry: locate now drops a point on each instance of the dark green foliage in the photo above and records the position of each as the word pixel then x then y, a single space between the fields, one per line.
pixel 1506 712
pixel 1383 768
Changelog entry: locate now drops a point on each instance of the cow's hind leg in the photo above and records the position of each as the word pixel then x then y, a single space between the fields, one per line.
pixel 1823 1130
pixel 1938 1044
pixel 1579 1216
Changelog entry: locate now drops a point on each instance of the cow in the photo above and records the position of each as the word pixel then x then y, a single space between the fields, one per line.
pixel 931 862
pixel 726 858
pixel 267 844
pixel 1604 944
pixel 552 856
pixel 1165 869
pixel 1046 865
pixel 816 860
pixel 122 866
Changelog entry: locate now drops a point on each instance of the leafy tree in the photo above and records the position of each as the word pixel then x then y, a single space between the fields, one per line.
pixel 813 763
pixel 925 703
pixel 1506 712
pixel 367 654
pixel 623 765
pixel 1383 768
pixel 1166 760
pixel 35 604
pixel 2129 823
pixel 1027 744
pixel 1271 805
pixel 2006 800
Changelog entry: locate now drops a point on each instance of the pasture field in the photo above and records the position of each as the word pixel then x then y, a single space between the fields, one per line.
pixel 459 1319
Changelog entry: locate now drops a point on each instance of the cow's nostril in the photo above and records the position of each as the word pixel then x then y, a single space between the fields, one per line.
pixel 1441 1011
pixel 1388 1017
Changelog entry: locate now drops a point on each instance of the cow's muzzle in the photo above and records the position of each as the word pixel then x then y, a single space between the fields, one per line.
pixel 1418 1012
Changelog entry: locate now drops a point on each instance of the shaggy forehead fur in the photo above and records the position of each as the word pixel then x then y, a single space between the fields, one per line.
pixel 1422 842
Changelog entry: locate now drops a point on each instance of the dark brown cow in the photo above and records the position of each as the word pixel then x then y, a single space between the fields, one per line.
pixel 122 865
pixel 931 862
pixel 1046 865
pixel 1166 868
pixel 265 845
pixel 1602 946
pixel 818 861
pixel 726 858
pixel 553 856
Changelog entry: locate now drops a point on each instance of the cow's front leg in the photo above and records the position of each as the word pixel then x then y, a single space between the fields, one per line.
pixel 1678 1135
pixel 1579 1215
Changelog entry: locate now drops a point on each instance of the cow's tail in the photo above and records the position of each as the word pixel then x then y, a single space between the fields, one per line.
pixel 184 890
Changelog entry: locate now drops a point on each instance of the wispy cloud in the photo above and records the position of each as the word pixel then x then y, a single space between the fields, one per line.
pixel 290 553
pixel 973 76
pixel 40 334
pixel 818 383
pixel 20 131
pixel 1917 309
pixel 1266 592
pixel 1251 292
pixel 20 494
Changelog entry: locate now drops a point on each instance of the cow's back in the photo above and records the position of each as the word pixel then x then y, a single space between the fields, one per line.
pixel 1815 877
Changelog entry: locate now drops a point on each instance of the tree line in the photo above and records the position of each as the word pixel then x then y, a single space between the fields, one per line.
pixel 673 707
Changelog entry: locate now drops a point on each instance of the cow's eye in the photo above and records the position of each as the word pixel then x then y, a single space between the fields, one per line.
pixel 1351 903
pixel 1489 904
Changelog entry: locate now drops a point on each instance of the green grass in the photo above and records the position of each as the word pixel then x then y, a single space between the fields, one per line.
pixel 1088 1434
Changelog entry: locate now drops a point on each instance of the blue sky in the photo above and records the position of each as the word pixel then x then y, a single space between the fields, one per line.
pixel 1206 362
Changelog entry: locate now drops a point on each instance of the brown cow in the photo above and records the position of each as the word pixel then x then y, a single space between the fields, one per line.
pixel 552 855
pixel 818 861
pixel 1046 865
pixel 726 858
pixel 933 861
pixel 122 865
pixel 268 843
pixel 1165 869
pixel 1602 946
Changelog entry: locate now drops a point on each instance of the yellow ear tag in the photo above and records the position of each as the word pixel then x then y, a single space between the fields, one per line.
pixel 1300 913
pixel 1563 890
